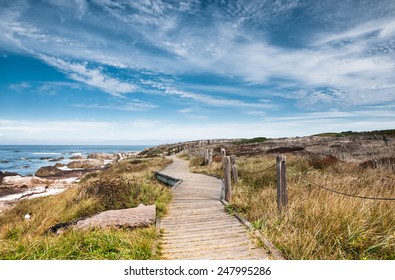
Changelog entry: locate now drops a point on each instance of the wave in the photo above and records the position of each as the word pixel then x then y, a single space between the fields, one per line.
pixel 45 153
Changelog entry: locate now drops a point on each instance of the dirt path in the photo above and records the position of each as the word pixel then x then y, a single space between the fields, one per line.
pixel 197 226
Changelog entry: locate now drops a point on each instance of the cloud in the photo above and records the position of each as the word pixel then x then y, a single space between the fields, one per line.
pixel 82 7
pixel 132 105
pixel 221 55
pixel 90 76
pixel 20 87
pixel 203 98
pixel 186 110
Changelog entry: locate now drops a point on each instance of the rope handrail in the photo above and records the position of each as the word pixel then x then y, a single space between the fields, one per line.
pixel 338 192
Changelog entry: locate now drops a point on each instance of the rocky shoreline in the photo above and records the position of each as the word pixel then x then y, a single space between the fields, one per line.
pixel 49 180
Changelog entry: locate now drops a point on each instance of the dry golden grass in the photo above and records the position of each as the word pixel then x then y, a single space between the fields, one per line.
pixel 317 224
pixel 126 184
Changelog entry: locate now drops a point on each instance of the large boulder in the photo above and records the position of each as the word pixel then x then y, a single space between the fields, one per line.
pixel 6 174
pixel 85 164
pixel 56 159
pixel 25 182
pixel 47 171
pixel 141 216
pixel 101 156
pixel 77 157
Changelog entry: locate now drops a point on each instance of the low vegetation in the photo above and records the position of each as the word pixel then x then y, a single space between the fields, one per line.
pixel 124 185
pixel 358 133
pixel 317 224
pixel 252 140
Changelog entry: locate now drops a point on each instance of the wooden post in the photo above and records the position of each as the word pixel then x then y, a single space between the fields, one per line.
pixel 223 155
pixel 282 191
pixel 210 156
pixel 227 180
pixel 234 169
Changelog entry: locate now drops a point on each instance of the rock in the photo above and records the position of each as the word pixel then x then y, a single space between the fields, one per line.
pixel 6 174
pixel 45 158
pixel 77 157
pixel 101 156
pixel 25 182
pixel 141 216
pixel 60 165
pixel 56 159
pixel 5 161
pixel 48 171
pixel 88 163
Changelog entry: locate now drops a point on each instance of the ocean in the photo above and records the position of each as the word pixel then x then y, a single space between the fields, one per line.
pixel 27 159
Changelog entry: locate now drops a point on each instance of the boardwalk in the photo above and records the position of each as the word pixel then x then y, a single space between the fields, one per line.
pixel 197 227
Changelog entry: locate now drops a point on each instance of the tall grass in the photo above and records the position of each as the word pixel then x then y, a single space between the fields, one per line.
pixel 318 224
pixel 126 184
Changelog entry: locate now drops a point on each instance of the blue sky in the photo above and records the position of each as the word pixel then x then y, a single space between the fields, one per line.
pixel 140 71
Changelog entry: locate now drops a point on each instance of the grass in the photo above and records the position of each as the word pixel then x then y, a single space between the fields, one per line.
pixel 356 133
pixel 252 140
pixel 124 185
pixel 108 244
pixel 317 224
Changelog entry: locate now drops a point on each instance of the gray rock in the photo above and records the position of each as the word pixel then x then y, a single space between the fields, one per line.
pixel 101 156
pixel 141 216
pixel 88 163
pixel 46 171
pixel 77 157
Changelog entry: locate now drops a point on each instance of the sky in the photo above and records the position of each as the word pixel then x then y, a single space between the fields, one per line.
pixel 142 72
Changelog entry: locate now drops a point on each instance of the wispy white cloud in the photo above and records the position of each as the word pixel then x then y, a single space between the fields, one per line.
pixel 186 110
pixel 20 86
pixel 203 98
pixel 347 64
pixel 132 105
pixel 32 127
pixel 90 76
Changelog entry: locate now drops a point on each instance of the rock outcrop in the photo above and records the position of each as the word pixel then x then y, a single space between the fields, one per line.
pixel 25 182
pixel 77 157
pixel 102 156
pixel 47 171
pixel 141 216
pixel 6 174
pixel 87 163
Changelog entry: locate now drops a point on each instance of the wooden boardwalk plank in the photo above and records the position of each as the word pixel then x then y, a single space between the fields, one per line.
pixel 197 226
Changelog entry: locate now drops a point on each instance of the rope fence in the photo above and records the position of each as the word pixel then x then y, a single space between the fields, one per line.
pixel 339 192
pixel 230 172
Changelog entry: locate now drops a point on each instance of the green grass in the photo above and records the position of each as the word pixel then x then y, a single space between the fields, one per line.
pixel 125 185
pixel 317 224
pixel 357 133
pixel 109 244
pixel 250 141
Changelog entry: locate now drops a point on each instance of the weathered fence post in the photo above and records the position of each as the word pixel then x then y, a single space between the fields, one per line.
pixel 210 156
pixel 227 176
pixel 234 169
pixel 205 156
pixel 282 191
pixel 223 155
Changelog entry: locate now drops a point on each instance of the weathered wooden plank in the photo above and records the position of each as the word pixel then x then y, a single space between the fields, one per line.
pixel 197 226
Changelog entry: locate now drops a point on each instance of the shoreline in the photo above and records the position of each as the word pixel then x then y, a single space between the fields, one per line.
pixel 54 179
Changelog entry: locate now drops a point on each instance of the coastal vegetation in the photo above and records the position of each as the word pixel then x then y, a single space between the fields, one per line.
pixel 318 224
pixel 125 184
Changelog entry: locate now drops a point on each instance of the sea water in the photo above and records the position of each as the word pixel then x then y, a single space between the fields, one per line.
pixel 27 159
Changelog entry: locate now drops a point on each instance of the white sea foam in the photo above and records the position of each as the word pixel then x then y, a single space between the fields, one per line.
pixel 44 153
pixel 65 168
